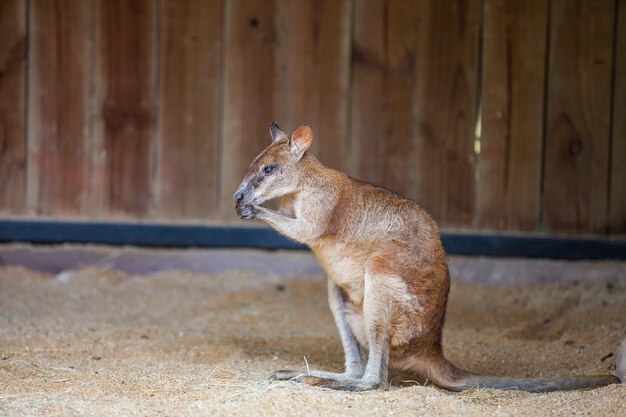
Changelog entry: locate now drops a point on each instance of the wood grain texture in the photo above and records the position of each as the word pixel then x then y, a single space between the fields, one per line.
pixel 445 103
pixel 60 79
pixel 383 84
pixel 579 97
pixel 125 74
pixel 154 108
pixel 250 91
pixel 12 92
pixel 315 68
pixel 189 99
pixel 617 199
pixel 513 66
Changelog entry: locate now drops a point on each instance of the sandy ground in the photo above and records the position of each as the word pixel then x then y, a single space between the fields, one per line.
pixel 96 341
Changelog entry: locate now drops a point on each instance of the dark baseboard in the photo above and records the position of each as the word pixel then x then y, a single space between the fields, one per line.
pixel 216 236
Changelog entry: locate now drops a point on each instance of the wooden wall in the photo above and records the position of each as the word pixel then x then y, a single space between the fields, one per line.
pixel 493 114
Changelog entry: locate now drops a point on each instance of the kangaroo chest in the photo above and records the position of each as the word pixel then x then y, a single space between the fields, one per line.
pixel 344 270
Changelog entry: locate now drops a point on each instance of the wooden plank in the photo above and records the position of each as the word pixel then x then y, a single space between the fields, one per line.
pixel 446 109
pixel 12 92
pixel 124 105
pixel 60 76
pixel 317 64
pixel 617 209
pixel 383 84
pixel 189 98
pixel 579 97
pixel 513 66
pixel 250 95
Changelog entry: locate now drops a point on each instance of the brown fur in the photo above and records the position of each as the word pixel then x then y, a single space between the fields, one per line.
pixel 383 255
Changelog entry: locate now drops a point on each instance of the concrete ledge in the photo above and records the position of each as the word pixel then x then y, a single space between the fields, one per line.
pixel 55 259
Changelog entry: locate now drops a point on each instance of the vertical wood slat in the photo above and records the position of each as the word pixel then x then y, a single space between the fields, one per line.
pixel 280 52
pixel 446 92
pixel 249 90
pixel 579 96
pixel 316 72
pixel 383 83
pixel 617 208
pixel 124 106
pixel 12 102
pixel 189 99
pixel 513 66
pixel 60 76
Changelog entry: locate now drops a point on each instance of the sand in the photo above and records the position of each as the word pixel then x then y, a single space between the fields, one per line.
pixel 97 341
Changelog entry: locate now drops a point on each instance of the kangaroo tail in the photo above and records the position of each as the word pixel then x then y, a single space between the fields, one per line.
pixel 620 363
pixel 540 384
pixel 445 374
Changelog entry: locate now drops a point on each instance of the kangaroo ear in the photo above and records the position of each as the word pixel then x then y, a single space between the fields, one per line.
pixel 300 140
pixel 276 133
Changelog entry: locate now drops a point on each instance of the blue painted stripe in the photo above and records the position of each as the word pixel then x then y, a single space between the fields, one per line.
pixel 221 236
pixel 143 234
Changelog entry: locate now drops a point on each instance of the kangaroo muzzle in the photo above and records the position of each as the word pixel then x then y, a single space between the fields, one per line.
pixel 243 202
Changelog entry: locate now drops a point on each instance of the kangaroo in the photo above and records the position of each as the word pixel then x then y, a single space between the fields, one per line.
pixel 388 279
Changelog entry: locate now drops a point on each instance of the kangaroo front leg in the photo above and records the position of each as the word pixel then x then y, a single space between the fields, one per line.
pixel 295 229
pixel 354 358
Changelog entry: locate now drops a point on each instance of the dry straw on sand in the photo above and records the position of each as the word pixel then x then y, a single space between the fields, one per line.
pixel 95 341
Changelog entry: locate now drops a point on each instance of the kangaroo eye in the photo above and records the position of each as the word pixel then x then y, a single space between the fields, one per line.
pixel 269 169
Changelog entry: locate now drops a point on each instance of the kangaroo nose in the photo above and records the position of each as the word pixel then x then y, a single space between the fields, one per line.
pixel 238 196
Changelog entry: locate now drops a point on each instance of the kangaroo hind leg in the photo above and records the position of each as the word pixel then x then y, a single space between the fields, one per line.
pixel 353 351
pixel 377 311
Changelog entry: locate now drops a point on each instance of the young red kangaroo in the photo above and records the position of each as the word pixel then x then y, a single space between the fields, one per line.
pixel 388 279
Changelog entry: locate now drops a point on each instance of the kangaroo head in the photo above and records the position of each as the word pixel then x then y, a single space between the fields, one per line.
pixel 275 171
